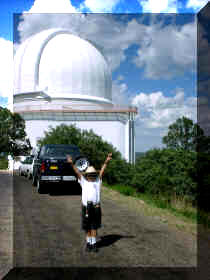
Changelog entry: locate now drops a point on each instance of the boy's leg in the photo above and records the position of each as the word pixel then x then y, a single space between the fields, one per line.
pixel 88 236
pixel 94 234
pixel 88 239
pixel 96 224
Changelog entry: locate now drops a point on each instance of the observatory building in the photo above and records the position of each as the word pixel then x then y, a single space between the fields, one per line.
pixel 61 78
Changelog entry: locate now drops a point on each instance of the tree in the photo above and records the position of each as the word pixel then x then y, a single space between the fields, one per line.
pixel 12 134
pixel 167 172
pixel 184 134
pixel 93 147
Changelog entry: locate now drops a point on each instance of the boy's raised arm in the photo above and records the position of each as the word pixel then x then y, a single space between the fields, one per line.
pixel 109 157
pixel 69 159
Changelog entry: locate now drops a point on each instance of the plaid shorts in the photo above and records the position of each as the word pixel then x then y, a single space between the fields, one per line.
pixel 93 218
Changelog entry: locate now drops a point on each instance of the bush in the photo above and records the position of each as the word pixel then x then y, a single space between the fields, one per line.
pixel 165 172
pixel 119 172
pixel 94 148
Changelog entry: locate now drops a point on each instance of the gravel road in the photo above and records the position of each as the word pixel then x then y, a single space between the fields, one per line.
pixel 47 234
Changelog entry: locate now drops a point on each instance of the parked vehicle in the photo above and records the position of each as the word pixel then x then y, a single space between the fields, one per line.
pixel 26 166
pixel 51 166
pixel 30 169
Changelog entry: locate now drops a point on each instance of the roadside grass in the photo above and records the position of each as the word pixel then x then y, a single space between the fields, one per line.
pixel 185 216
pixel 3 163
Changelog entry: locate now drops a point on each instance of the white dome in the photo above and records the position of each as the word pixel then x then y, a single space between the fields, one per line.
pixel 62 64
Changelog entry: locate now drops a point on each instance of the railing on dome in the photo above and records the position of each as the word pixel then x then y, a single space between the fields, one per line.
pixel 74 108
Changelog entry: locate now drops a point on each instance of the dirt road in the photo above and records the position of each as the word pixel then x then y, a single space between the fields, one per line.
pixel 47 234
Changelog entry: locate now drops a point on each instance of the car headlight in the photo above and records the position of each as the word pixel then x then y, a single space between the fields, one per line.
pixel 82 164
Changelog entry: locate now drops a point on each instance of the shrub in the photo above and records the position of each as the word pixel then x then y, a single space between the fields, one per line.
pixel 166 171
pixel 94 148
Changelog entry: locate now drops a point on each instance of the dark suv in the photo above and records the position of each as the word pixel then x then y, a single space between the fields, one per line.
pixel 51 167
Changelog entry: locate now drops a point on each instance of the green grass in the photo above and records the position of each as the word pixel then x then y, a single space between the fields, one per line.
pixel 186 211
pixel 126 190
pixel 3 163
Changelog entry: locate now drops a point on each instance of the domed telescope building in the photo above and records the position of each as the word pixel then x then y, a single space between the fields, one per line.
pixel 61 78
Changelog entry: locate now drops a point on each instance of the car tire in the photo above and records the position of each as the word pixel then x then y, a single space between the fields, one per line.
pixel 41 187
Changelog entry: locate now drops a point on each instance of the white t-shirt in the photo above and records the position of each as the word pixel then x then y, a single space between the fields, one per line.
pixel 90 190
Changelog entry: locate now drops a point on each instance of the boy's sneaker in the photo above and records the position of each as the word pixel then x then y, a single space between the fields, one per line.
pixel 88 247
pixel 94 248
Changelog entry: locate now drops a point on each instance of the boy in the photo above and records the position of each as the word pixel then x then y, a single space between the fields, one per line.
pixel 91 209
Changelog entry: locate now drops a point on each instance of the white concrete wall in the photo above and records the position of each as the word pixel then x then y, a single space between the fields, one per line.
pixel 113 132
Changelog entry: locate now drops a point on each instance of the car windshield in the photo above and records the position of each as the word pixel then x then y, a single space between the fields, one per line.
pixel 60 151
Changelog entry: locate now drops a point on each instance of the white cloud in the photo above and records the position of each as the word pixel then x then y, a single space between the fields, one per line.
pixel 6 69
pixel 120 93
pixel 158 111
pixel 99 6
pixel 52 6
pixel 154 6
pixel 34 23
pixel 196 4
pixel 155 112
pixel 161 47
pixel 111 36
pixel 167 51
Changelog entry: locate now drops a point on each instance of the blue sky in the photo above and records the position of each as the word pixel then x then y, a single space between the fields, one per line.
pixel 152 55
pixel 7 8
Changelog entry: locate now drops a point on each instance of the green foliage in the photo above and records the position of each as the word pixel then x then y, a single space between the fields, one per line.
pixel 61 134
pixel 187 136
pixel 94 148
pixel 119 171
pixel 12 134
pixel 3 163
pixel 158 172
pixel 183 134
pixel 166 172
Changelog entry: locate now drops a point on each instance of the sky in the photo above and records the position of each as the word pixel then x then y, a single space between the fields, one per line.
pixel 150 47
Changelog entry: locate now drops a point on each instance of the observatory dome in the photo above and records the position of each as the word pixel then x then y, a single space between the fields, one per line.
pixel 63 65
